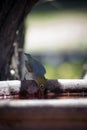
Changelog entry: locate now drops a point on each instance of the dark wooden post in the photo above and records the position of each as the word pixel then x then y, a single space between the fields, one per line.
pixel 12 14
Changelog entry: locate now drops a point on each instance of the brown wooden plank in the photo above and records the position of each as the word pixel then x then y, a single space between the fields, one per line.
pixel 44 114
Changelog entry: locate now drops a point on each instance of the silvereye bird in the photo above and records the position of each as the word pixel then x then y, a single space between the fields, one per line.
pixel 38 71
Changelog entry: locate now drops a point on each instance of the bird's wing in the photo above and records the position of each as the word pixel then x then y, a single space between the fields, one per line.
pixel 35 66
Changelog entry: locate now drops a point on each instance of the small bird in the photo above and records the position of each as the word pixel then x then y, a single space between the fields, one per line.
pixel 37 71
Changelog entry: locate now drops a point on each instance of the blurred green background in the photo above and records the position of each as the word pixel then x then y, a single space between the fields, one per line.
pixel 56 35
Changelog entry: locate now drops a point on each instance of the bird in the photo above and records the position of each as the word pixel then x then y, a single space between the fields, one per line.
pixel 37 71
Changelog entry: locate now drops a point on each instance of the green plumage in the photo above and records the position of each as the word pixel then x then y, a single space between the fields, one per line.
pixel 37 69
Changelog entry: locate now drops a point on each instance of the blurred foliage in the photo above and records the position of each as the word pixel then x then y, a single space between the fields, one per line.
pixel 46 14
pixel 65 71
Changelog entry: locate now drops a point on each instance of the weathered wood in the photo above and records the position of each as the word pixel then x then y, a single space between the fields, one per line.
pixel 56 86
pixel 44 114
pixel 69 85
pixel 8 87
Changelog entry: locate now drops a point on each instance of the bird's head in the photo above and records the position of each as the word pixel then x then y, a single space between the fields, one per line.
pixel 41 81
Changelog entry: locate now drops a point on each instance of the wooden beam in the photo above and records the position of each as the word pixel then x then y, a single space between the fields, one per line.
pixel 57 86
pixel 44 114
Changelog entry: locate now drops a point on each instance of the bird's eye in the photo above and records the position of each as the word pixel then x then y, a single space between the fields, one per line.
pixel 42 86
